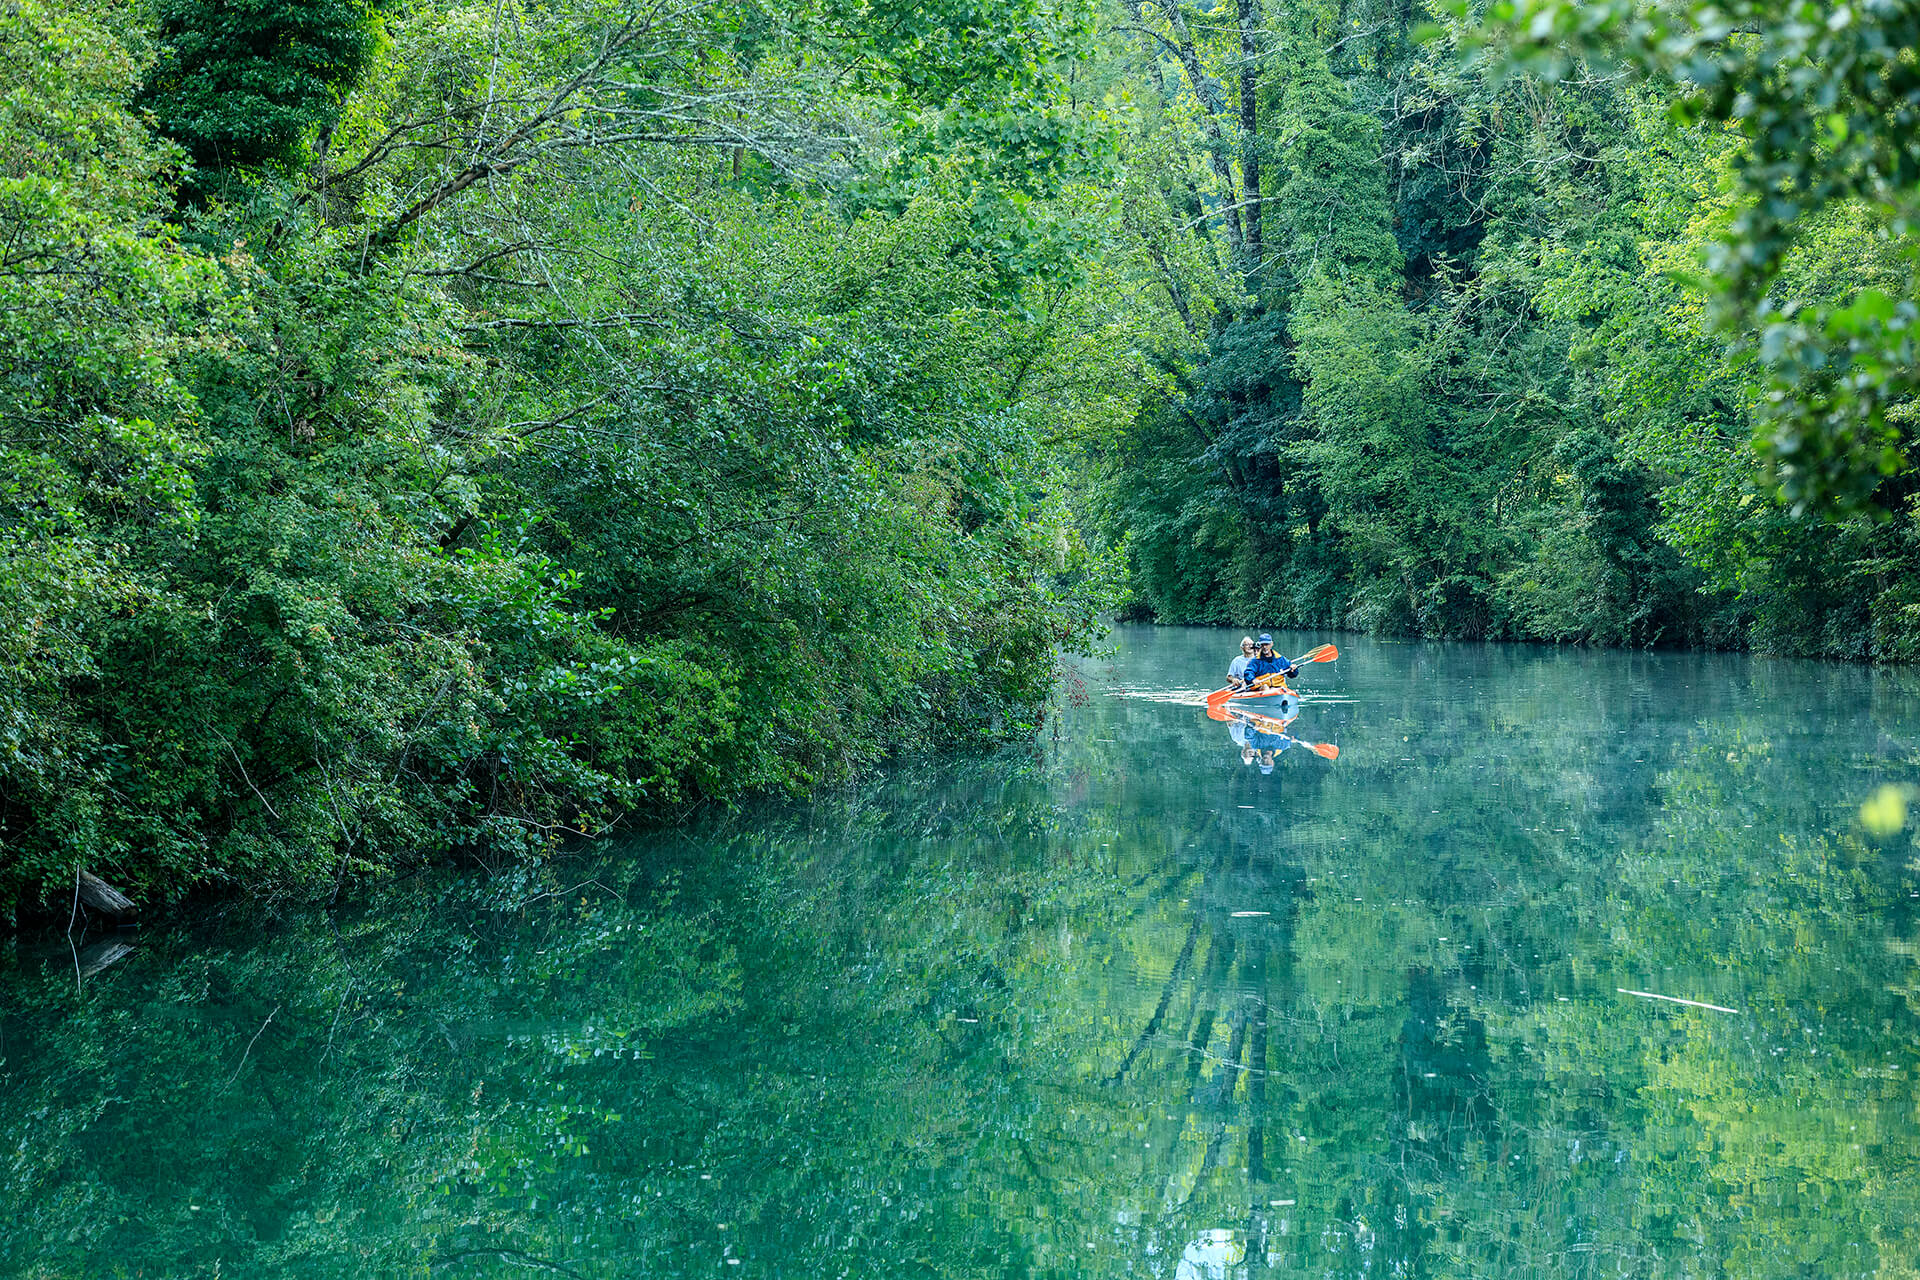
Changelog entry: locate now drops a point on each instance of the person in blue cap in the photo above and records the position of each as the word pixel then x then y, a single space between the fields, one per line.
pixel 1268 663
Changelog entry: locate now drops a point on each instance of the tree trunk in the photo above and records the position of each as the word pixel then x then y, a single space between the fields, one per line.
pixel 1249 18
pixel 1205 89
pixel 1168 279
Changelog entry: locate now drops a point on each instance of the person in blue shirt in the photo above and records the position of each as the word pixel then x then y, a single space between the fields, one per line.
pixel 1237 669
pixel 1267 663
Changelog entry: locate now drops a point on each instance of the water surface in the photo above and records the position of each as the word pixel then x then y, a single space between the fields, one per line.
pixel 1115 1005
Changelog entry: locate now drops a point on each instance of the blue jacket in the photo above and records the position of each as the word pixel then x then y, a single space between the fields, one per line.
pixel 1266 666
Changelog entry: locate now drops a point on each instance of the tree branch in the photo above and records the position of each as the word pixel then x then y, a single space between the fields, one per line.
pixel 592 322
pixel 502 154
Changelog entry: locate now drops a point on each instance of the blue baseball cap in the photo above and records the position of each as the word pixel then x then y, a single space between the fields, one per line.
pixel 1264 639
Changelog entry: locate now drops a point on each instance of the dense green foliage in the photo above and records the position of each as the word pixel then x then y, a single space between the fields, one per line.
pixel 244 85
pixel 551 412
pixel 1500 304
pixel 1826 106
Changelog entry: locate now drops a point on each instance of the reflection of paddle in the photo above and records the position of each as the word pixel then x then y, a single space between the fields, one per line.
pixel 1325 750
pixel 1321 653
pixel 1267 724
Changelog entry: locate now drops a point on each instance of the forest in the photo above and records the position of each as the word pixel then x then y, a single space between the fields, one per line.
pixel 431 427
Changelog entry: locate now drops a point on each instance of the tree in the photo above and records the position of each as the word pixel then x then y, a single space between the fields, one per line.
pixel 246 85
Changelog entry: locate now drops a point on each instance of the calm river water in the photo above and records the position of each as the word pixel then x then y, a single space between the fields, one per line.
pixel 1118 1005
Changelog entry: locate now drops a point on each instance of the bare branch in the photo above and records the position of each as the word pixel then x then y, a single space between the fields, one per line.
pixel 593 322
pixel 502 154
pixel 1356 35
pixel 479 262
pixel 1165 43
pixel 532 425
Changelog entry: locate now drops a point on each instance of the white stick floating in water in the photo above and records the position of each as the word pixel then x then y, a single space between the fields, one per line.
pixel 1697 1004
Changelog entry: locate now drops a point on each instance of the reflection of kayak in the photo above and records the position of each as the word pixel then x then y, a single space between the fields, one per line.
pixel 1281 703
pixel 1264 724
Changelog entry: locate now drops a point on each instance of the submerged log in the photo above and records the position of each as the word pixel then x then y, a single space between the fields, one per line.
pixel 103 897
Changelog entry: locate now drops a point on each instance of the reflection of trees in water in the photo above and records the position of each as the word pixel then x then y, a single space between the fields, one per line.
pixel 904 1032
pixel 1208 1051
pixel 1488 1104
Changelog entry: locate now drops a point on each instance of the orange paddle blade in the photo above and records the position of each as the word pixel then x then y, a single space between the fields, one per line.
pixel 1325 750
pixel 1324 653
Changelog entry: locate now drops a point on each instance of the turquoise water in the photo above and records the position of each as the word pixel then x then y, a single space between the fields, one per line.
pixel 1117 1004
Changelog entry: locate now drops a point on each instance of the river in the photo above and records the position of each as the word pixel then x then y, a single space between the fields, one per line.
pixel 1569 964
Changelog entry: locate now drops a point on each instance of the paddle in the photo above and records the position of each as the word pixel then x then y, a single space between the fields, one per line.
pixel 1320 653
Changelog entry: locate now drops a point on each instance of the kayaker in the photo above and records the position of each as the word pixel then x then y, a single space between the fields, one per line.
pixel 1237 669
pixel 1268 663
